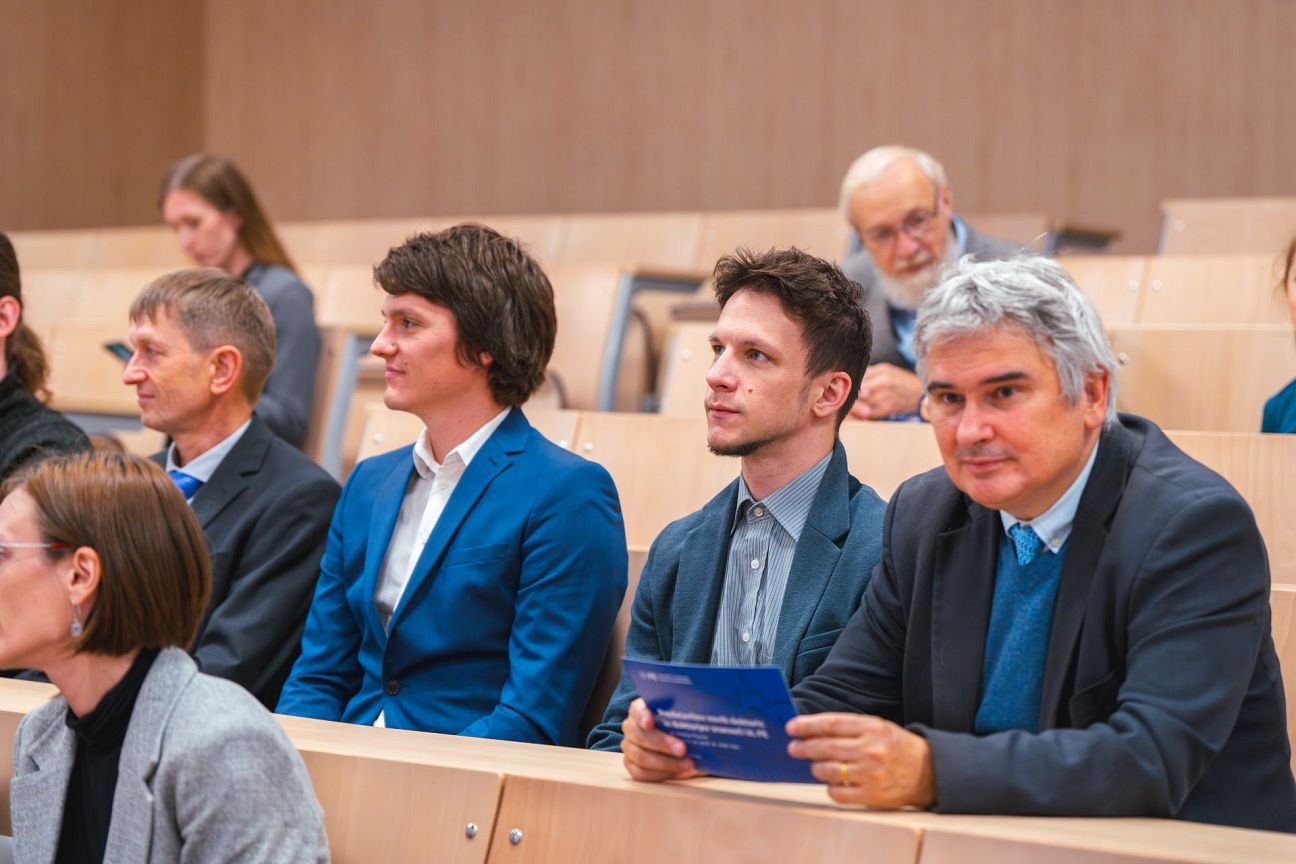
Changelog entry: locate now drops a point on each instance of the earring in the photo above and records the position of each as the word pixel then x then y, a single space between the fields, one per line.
pixel 76 622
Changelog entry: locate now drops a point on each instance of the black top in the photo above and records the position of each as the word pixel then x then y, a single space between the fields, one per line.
pixel 99 736
pixel 28 429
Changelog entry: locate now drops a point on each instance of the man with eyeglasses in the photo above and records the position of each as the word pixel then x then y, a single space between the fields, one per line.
pixel 897 200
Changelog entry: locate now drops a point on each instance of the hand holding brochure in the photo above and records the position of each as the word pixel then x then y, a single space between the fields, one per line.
pixel 731 718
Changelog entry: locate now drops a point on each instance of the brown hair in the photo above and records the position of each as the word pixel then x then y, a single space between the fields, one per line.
pixel 835 327
pixel 502 302
pixel 155 577
pixel 23 353
pixel 214 308
pixel 222 185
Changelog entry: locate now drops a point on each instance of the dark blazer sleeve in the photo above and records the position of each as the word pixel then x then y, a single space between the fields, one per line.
pixel 1198 615
pixel 328 671
pixel 862 672
pixel 642 642
pixel 285 404
pixel 570 586
pixel 253 635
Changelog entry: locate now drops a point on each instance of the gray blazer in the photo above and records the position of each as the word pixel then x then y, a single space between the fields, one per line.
pixel 675 606
pixel 859 267
pixel 206 774
pixel 285 403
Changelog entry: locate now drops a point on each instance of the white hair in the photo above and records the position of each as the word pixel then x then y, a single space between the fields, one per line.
pixel 870 166
pixel 1033 294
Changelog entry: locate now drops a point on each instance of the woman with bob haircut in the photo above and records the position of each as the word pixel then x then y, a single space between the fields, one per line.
pixel 220 223
pixel 103 578
pixel 28 429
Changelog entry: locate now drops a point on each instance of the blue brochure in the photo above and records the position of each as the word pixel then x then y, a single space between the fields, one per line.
pixel 731 718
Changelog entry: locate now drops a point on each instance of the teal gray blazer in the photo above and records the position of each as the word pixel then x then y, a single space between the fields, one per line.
pixel 675 606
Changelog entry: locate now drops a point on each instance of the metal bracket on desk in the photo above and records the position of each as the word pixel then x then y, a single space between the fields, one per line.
pixel 628 286
pixel 354 347
pixel 94 423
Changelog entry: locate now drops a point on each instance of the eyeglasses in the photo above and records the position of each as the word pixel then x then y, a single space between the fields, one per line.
pixel 915 225
pixel 6 549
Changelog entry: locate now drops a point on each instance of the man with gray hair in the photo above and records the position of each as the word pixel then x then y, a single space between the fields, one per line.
pixel 897 200
pixel 1071 617
pixel 204 346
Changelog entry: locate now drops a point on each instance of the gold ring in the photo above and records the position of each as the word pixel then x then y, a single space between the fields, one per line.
pixel 845 778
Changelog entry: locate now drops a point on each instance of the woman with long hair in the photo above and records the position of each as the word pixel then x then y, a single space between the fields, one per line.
pixel 28 428
pixel 220 223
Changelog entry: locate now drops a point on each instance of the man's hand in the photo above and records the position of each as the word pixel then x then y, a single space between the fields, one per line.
pixel 886 390
pixel 865 760
pixel 649 753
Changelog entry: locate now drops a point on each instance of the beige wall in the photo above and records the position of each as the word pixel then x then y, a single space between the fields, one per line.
pixel 94 97
pixel 1092 111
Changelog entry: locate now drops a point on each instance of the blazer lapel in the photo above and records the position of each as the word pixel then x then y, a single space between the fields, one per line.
pixel 963 576
pixel 229 479
pixel 387 503
pixel 700 580
pixel 1084 547
pixel 495 455
pixel 37 798
pixel 815 560
pixel 130 835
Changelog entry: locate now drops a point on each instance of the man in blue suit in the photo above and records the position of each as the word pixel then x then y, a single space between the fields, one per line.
pixel 771 569
pixel 471 580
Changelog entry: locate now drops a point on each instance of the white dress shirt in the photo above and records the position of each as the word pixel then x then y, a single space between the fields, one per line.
pixel 426 496
pixel 1053 526
pixel 203 466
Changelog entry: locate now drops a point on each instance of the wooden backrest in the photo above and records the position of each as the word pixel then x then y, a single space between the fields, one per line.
pixel 152 247
pixel 348 297
pixel 586 298
pixel 1213 379
pixel 1213 289
pixel 1282 604
pixel 1217 226
pixel 1261 468
pixel 1028 229
pixel 686 357
pixel 666 240
pixel 359 243
pixel 818 230
pixel 661 466
pixel 1112 283
pixel 884 455
pixel 386 430
pixel 84 377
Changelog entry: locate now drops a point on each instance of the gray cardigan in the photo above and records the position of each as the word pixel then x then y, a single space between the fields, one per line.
pixel 206 774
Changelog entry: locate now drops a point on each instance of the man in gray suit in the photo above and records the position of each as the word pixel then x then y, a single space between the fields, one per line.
pixel 204 345
pixel 899 203
pixel 769 571
pixel 1071 617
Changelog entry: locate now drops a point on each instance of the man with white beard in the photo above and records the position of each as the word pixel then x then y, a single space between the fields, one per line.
pixel 897 200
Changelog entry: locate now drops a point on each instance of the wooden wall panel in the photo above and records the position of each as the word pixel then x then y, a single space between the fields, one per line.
pixel 1092 112
pixel 96 98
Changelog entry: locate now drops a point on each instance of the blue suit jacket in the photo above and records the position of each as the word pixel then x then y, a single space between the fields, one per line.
pixel 678 598
pixel 504 623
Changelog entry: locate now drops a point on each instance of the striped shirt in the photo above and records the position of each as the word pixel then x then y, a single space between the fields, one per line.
pixel 764 539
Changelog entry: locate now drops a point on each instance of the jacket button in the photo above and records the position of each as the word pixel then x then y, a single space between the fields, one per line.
pixel 393 687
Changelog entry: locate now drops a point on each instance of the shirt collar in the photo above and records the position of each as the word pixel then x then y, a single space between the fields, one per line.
pixel 790 503
pixel 1054 525
pixel 461 455
pixel 203 466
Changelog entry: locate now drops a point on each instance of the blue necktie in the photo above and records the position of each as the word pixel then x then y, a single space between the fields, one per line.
pixel 187 484
pixel 1026 541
